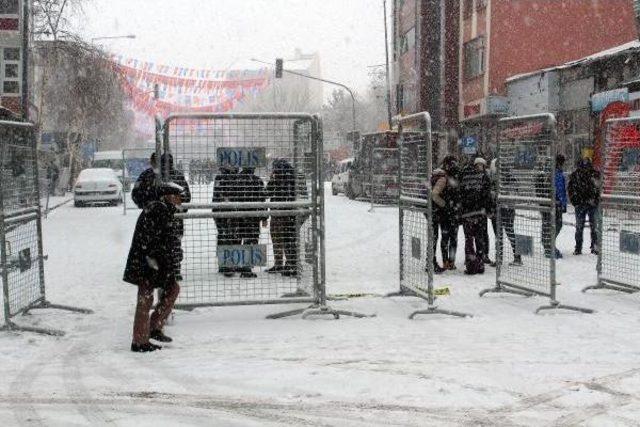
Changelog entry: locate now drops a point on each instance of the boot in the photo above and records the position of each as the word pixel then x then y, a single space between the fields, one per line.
pixel 158 335
pixel 437 269
pixel 486 260
pixel 594 250
pixel 517 260
pixel 144 348
pixel 248 275
pixel 578 251
pixel 275 269
pixel 450 265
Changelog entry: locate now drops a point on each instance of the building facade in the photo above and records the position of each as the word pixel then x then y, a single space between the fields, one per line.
pixel 11 63
pixel 503 38
pixel 426 62
pixel 453 58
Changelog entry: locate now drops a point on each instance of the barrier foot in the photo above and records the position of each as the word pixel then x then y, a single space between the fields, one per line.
pixel 401 293
pixel 328 311
pixel 289 313
pixel 319 310
pixel 47 305
pixel 436 310
pixel 12 327
pixel 503 290
pixel 555 305
pixel 611 287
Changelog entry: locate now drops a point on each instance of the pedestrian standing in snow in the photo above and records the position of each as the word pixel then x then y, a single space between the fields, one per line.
pixel 155 252
pixel 284 229
pixel 446 196
pixel 584 194
pixel 224 189
pixel 508 215
pixel 481 165
pixel 475 191
pixel 253 191
pixel 560 205
pixel 437 214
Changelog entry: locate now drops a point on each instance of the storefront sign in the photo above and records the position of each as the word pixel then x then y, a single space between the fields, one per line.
pixel 634 103
pixel 599 101
pixel 471 110
pixel 497 105
pixel 469 144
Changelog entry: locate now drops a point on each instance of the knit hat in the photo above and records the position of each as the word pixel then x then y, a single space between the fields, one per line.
pixel 480 161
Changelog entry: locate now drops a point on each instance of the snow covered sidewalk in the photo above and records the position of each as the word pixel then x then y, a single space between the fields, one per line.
pixel 230 366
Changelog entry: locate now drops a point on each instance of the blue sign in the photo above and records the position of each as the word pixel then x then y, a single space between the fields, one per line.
pixel 599 101
pixel 469 144
pixel 242 256
pixel 242 157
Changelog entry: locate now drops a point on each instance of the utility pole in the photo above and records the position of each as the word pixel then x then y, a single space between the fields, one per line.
pixel 26 17
pixel 386 50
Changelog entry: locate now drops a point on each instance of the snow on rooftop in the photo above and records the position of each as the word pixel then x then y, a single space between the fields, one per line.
pixel 632 45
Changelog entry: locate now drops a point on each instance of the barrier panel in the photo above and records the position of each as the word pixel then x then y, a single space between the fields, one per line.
pixel 383 186
pixel 416 219
pixel 253 232
pixel 21 249
pixel 526 211
pixel 619 216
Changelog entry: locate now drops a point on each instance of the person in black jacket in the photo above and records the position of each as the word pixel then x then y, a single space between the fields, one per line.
pixel 475 189
pixel 155 252
pixel 507 213
pixel 284 230
pixel 144 190
pixel 253 191
pixel 225 189
pixel 584 194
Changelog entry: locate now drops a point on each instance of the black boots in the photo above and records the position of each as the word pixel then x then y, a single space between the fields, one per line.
pixel 158 335
pixel 144 348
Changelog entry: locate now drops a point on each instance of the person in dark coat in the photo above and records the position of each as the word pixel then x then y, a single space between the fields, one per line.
pixel 225 188
pixel 155 252
pixel 144 189
pixel 446 195
pixel 475 189
pixel 560 205
pixel 253 191
pixel 584 194
pixel 508 214
pixel 284 230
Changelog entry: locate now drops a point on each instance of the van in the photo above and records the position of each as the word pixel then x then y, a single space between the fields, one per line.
pixel 341 177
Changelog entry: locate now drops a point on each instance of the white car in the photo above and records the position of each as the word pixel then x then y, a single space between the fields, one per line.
pixel 341 177
pixel 100 185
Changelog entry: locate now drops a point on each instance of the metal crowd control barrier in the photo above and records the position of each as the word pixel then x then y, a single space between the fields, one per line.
pixel 416 219
pixel 383 178
pixel 134 162
pixel 21 249
pixel 526 211
pixel 254 234
pixel 619 219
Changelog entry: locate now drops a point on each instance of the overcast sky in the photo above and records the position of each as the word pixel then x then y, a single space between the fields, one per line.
pixel 221 34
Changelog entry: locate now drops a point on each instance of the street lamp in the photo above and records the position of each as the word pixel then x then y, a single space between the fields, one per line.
pixel 128 36
pixel 353 98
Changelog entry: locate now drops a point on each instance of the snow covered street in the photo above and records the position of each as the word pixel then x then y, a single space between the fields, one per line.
pixel 231 367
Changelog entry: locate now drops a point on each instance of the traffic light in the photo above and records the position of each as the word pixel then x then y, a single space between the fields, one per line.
pixel 279 67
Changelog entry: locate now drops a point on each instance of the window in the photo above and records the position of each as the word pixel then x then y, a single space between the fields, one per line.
pixel 11 71
pixel 467 10
pixel 399 98
pixel 481 4
pixel 474 58
pixel 408 41
pixel 9 7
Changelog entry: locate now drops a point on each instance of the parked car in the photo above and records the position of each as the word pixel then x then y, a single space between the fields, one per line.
pixel 100 185
pixel 341 177
pixel 376 161
pixel 114 160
